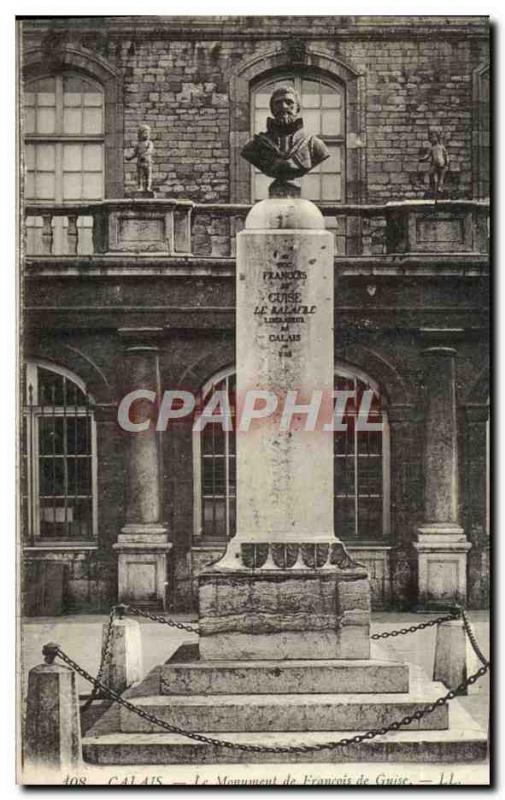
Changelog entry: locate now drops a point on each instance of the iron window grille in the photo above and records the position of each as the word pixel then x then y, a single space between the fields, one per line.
pixel 58 458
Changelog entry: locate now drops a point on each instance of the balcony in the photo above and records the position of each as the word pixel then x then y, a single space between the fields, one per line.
pixel 181 229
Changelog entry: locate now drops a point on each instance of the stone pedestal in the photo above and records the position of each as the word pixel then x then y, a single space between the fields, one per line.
pixel 143 224
pixel 142 545
pixel 311 613
pixel 441 542
pixel 450 654
pixel 444 226
pixel 52 730
pixel 124 667
pixel 285 588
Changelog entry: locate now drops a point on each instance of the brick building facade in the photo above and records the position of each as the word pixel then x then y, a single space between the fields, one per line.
pixel 104 311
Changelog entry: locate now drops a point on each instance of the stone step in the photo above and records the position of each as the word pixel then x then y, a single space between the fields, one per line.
pixel 283 677
pixel 285 712
pixel 464 741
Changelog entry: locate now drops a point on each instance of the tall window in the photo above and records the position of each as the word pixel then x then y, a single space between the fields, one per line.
pixel 324 116
pixel 361 468
pixel 58 458
pixel 63 124
pixel 214 455
pixel 361 465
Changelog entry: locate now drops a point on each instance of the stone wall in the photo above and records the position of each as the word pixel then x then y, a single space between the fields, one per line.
pixel 67 582
pixel 179 79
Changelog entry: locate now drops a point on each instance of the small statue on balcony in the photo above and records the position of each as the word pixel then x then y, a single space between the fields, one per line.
pixel 143 152
pixel 285 151
pixel 438 158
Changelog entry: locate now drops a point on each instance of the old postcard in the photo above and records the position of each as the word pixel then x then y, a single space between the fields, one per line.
pixel 254 400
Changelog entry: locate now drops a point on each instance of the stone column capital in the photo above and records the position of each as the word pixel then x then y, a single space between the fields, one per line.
pixel 441 338
pixel 139 349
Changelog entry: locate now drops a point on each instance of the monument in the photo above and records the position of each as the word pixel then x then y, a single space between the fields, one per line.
pixel 286 587
pixel 282 665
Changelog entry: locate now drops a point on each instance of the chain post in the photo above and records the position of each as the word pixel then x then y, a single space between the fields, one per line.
pixel 104 657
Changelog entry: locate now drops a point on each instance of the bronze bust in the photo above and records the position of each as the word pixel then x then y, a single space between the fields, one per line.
pixel 284 151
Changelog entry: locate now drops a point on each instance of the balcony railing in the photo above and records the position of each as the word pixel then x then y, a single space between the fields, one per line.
pixel 181 228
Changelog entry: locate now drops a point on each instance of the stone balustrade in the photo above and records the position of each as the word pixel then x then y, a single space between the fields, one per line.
pixel 178 228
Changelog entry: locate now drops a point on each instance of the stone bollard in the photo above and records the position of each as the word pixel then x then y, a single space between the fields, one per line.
pixel 52 729
pixel 450 654
pixel 124 665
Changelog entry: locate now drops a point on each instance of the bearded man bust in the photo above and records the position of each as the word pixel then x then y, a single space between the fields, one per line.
pixel 284 151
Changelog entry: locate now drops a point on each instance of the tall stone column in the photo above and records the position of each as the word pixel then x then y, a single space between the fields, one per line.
pixel 476 505
pixel 406 425
pixel 286 587
pixel 142 544
pixel 441 543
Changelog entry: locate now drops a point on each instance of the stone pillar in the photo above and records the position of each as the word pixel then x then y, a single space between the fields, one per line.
pixel 441 543
pixel 450 654
pixel 52 728
pixel 124 666
pixel 405 499
pixel 142 545
pixel 285 351
pixel 286 587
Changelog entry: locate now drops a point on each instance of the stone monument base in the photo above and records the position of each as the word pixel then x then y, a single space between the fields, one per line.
pixel 284 704
pixel 307 611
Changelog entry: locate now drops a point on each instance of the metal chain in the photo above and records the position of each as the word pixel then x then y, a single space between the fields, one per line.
pixel 473 641
pixel 104 659
pixel 413 628
pixel 194 628
pixel 99 686
pixel 137 612
pixel 250 748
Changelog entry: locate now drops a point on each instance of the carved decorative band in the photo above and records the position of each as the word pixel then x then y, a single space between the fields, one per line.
pixel 294 555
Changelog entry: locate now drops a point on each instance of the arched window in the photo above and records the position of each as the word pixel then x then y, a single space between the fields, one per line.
pixel 58 457
pixel 361 464
pixel 323 111
pixel 63 124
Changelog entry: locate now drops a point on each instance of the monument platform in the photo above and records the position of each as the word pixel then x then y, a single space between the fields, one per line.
pixel 283 703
